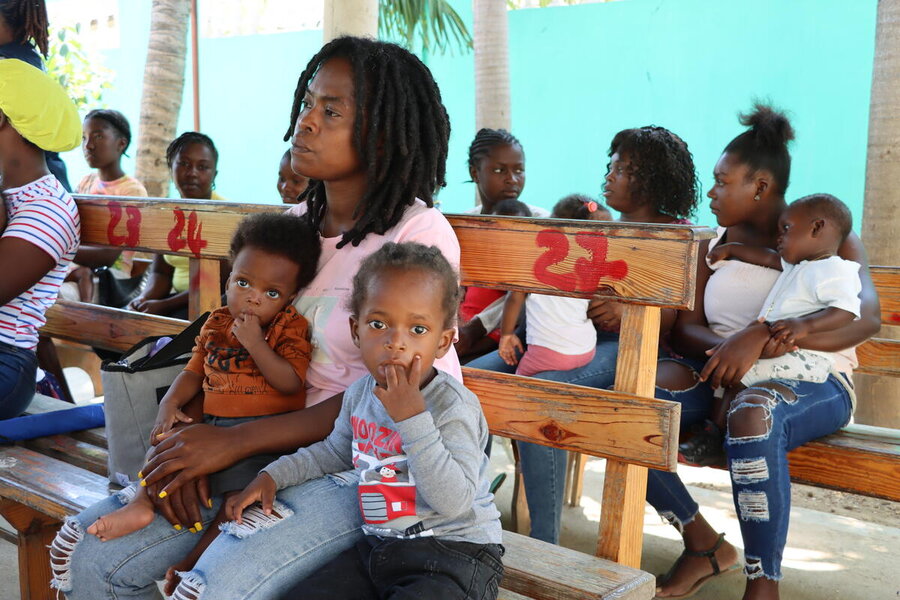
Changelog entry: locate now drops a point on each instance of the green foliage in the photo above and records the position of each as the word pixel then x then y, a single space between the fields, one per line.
pixel 76 68
pixel 437 24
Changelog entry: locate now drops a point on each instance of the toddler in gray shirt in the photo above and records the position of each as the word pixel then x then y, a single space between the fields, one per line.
pixel 416 438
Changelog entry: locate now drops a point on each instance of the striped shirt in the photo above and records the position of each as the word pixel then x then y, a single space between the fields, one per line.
pixel 43 214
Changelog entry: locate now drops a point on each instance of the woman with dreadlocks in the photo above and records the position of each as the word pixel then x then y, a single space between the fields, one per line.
pixel 23 33
pixel 370 131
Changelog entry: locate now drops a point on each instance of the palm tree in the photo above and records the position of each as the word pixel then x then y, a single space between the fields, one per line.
pixel 163 87
pixel 433 23
pixel 491 40
pixel 881 211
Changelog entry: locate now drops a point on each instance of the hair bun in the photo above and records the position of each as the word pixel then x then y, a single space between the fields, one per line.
pixel 769 126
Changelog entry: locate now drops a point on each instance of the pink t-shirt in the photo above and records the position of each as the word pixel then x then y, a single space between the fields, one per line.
pixel 336 361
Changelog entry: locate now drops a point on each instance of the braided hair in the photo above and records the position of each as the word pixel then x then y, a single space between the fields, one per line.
pixel 116 120
pixel 486 139
pixel 663 171
pixel 186 139
pixel 764 146
pixel 28 21
pixel 400 132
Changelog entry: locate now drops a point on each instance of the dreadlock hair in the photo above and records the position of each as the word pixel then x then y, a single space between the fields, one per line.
pixel 283 235
pixel 186 139
pixel 116 120
pixel 486 139
pixel 662 169
pixel 406 257
pixel 400 132
pixel 829 208
pixel 765 145
pixel 28 21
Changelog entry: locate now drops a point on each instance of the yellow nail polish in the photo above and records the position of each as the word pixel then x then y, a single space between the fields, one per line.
pixel 177 527
pixel 198 526
pixel 163 494
pixel 192 530
pixel 141 474
pixel 143 483
pixel 209 502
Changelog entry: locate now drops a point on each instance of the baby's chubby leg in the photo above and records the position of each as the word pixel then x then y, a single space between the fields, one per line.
pixel 135 515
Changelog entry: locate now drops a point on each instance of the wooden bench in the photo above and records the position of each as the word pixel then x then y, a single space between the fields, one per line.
pixel 646 267
pixel 860 459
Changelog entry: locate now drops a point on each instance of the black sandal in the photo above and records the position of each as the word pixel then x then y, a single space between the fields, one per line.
pixel 713 561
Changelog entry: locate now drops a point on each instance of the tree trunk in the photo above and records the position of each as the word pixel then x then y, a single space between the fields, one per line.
pixel 490 36
pixel 350 17
pixel 880 397
pixel 490 33
pixel 162 93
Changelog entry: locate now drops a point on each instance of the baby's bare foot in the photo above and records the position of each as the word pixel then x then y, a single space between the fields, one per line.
pixel 127 519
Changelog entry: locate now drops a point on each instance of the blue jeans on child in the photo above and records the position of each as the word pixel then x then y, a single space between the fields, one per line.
pixel 320 519
pixel 543 467
pixel 407 570
pixel 18 369
pixel 758 465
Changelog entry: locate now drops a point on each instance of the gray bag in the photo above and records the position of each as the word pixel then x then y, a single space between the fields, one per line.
pixel 132 388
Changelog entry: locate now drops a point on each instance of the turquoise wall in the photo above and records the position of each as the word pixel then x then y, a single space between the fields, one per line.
pixel 579 74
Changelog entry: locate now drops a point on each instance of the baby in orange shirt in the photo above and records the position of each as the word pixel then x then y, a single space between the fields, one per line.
pixel 250 360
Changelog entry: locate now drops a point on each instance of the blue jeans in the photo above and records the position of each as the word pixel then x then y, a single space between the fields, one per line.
pixel 543 467
pixel 758 465
pixel 320 520
pixel 18 369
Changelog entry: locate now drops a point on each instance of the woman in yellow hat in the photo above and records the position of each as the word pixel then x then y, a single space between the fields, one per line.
pixel 42 230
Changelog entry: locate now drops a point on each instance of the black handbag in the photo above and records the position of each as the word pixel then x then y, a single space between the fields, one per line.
pixel 115 292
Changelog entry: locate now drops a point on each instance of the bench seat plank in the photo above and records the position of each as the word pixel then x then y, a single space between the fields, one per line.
pixel 858 459
pixel 548 572
pixel 47 485
pixel 601 423
pixel 105 327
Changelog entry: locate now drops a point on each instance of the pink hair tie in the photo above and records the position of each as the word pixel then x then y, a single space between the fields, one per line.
pixel 591 206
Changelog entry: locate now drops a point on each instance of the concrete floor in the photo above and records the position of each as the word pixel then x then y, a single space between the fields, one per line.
pixel 854 555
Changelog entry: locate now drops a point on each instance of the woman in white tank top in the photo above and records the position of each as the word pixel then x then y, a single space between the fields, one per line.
pixel 720 340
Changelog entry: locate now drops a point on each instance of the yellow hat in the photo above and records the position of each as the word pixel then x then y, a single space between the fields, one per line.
pixel 38 107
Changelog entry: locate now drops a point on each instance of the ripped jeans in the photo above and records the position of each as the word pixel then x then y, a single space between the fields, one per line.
pixel 256 562
pixel 799 412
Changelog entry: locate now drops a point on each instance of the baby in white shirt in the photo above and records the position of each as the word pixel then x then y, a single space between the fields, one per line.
pixel 816 292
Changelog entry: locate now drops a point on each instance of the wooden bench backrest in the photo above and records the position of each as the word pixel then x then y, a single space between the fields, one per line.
pixel 645 267
pixel 880 355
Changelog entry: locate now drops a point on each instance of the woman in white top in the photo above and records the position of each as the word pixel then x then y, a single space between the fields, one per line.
pixel 770 418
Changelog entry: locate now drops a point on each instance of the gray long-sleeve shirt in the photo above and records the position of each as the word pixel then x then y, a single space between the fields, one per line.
pixel 426 475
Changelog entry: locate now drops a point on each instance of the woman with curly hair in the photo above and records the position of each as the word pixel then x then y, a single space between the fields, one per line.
pixel 650 179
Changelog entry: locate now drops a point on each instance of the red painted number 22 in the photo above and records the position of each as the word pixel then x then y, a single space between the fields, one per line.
pixel 587 272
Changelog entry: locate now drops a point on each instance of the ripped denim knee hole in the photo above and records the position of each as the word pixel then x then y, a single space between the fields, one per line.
pixel 762 398
pixel 70 534
pixel 191 586
pixel 254 519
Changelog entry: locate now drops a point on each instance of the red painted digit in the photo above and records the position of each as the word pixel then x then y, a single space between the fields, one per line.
pixel 175 239
pixel 115 215
pixel 195 235
pixel 589 272
pixel 133 226
pixel 557 249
